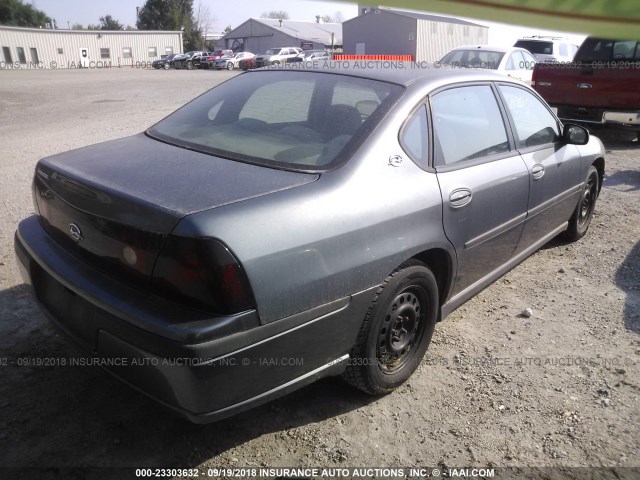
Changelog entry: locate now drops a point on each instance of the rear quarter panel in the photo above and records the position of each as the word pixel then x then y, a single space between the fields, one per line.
pixel 340 235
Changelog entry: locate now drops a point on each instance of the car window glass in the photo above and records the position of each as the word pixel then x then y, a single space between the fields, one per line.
pixel 365 100
pixel 281 119
pixel 534 124
pixel 624 50
pixel 515 62
pixel 529 61
pixel 468 124
pixel 288 101
pixel 564 51
pixel 414 137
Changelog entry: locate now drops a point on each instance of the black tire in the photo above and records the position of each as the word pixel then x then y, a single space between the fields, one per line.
pixel 581 219
pixel 396 331
pixel 166 66
pixel 189 65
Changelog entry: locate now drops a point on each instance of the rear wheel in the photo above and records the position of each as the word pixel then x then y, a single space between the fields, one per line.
pixel 166 66
pixel 189 65
pixel 229 65
pixel 581 219
pixel 396 331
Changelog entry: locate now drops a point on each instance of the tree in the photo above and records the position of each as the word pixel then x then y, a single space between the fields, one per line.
pixel 77 26
pixel 17 14
pixel 275 14
pixel 326 19
pixel 228 29
pixel 109 23
pixel 338 17
pixel 171 15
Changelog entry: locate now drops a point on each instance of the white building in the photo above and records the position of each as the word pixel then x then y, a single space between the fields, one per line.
pixel 34 48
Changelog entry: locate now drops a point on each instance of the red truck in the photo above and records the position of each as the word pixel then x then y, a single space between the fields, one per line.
pixel 600 88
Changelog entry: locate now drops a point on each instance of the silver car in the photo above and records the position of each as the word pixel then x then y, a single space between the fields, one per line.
pixel 291 224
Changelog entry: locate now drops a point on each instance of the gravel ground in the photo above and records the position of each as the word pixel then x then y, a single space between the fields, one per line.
pixel 497 388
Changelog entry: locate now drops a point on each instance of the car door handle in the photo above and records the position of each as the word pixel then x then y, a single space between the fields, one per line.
pixel 537 171
pixel 460 197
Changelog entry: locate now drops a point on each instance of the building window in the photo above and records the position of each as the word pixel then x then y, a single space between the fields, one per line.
pixel 153 52
pixel 7 54
pixel 105 53
pixel 21 56
pixel 126 52
pixel 168 50
pixel 34 55
pixel 60 51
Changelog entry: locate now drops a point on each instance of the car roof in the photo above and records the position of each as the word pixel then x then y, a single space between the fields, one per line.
pixel 407 74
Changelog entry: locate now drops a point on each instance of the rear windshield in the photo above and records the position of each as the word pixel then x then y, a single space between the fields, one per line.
pixel 541 48
pixel 306 121
pixel 473 59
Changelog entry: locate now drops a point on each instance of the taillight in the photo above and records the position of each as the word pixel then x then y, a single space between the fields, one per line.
pixel 202 273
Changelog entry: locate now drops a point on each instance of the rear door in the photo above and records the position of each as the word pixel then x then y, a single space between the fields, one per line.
pixel 483 180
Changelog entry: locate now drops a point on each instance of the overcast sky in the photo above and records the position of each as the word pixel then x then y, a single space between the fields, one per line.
pixel 234 12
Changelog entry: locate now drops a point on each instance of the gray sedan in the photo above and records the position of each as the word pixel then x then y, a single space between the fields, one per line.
pixel 293 224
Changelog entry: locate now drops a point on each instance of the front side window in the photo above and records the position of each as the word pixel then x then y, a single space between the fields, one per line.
pixel 468 124
pixel 534 124
pixel 286 119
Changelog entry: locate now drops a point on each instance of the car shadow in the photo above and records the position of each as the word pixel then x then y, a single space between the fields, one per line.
pixel 79 416
pixel 617 139
pixel 628 180
pixel 628 280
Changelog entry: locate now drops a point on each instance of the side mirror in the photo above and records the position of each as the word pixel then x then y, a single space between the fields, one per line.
pixel 575 134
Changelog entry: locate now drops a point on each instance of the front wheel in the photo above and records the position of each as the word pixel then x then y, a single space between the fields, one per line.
pixel 396 330
pixel 581 219
pixel 189 65
pixel 166 66
pixel 229 65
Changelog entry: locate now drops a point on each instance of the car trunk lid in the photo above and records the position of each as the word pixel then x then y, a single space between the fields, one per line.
pixel 114 203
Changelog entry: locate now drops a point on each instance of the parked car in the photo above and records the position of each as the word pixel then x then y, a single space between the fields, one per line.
pixel 310 56
pixel 166 62
pixel 513 62
pixel 247 63
pixel 187 60
pixel 600 89
pixel 235 252
pixel 548 49
pixel 231 62
pixel 207 61
pixel 277 56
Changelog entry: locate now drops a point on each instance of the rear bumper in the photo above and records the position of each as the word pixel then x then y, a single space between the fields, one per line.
pixel 599 116
pixel 203 368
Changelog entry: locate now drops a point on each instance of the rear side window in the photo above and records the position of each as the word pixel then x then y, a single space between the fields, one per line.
pixel 534 124
pixel 468 124
pixel 413 137
pixel 603 50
